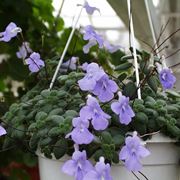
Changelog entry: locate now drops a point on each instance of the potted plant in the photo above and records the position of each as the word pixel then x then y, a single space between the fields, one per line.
pixel 92 115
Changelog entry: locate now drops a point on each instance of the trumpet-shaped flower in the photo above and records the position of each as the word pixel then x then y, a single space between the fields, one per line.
pixel 78 166
pixel 93 38
pixel 11 31
pixel 80 134
pixel 84 66
pixel 23 51
pixel 167 79
pixel 111 48
pixel 2 131
pixel 101 171
pixel 92 111
pixel 133 152
pixel 71 64
pixel 94 73
pixel 34 62
pixel 90 9
pixel 123 109
pixel 89 45
pixel 105 89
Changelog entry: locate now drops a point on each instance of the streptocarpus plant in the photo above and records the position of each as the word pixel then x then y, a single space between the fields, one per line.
pixel 93 106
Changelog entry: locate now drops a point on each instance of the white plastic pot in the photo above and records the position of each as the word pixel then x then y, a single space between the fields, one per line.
pixel 162 164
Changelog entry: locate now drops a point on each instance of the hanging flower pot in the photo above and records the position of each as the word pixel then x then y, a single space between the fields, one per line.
pixel 164 158
pixel 90 113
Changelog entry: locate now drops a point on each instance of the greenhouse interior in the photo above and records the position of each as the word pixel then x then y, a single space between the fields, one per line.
pixel 90 90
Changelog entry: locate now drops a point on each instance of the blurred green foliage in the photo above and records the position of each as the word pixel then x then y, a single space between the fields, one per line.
pixel 40 29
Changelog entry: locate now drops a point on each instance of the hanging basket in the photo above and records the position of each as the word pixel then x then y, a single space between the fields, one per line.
pixel 162 164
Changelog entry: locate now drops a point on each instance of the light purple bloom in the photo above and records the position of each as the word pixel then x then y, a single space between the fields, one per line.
pixel 105 88
pixel 2 131
pixel 89 9
pixel 34 62
pixel 167 78
pixel 71 64
pixel 111 48
pixel 94 73
pixel 92 111
pixel 133 152
pixel 84 66
pixel 80 134
pixel 11 31
pixel 93 38
pixel 23 51
pixel 123 109
pixel 89 45
pixel 78 166
pixel 101 171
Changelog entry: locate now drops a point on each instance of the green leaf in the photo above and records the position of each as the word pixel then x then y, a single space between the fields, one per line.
pixel 123 67
pixel 19 132
pixel 55 131
pixel 57 119
pixel 122 76
pixel 33 143
pixel 71 113
pixel 129 89
pixel 118 139
pixel 173 94
pixel 59 24
pixel 115 158
pixel 40 116
pixel 153 83
pixel 60 148
pixel 45 141
pixel 141 117
pixel 57 111
pixel 106 137
pixel 98 154
pixel 127 57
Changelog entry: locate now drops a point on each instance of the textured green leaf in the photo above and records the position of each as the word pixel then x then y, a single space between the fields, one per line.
pixel 60 148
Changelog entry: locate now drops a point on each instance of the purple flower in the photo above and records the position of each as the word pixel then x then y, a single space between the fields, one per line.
pixel 123 109
pixel 2 131
pixel 94 73
pixel 89 9
pixel 80 134
pixel 93 38
pixel 34 62
pixel 78 166
pixel 133 152
pixel 167 78
pixel 89 45
pixel 11 31
pixel 23 51
pixel 111 48
pixel 105 88
pixel 71 64
pixel 84 66
pixel 92 111
pixel 101 171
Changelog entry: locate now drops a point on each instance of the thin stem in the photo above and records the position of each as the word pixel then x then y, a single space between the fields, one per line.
pixel 161 50
pixel 115 78
pixel 7 149
pixel 171 35
pixel 149 134
pixel 152 49
pixel 143 175
pixel 13 126
pixel 161 33
pixel 135 175
pixel 173 53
